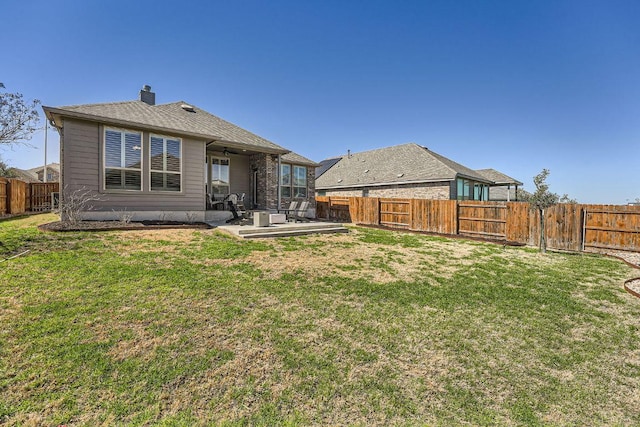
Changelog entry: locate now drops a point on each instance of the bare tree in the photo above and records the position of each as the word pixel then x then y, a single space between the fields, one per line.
pixel 75 203
pixel 18 119
pixel 540 200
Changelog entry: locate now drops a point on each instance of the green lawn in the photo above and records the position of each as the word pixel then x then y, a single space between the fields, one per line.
pixel 191 327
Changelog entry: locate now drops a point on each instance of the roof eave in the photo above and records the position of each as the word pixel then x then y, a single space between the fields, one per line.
pixel 55 114
pixel 379 184
pixel 475 178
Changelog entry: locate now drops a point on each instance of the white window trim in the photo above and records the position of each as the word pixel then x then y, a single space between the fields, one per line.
pixel 122 155
pixel 292 166
pixel 209 177
pixel 306 180
pixel 164 163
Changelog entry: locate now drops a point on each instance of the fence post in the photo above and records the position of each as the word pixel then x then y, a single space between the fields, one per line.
pixel 457 224
pixel 583 235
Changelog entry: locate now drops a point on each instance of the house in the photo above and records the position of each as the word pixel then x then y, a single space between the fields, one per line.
pixel 401 171
pixel 37 174
pixel 170 160
pixel 53 172
pixel 504 187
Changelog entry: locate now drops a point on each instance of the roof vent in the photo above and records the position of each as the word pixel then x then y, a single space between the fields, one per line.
pixel 187 107
pixel 340 180
pixel 366 170
pixel 400 175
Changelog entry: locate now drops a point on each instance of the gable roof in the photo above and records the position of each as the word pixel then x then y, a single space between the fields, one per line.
pixel 498 177
pixel 173 118
pixel 399 164
pixel 51 166
pixel 25 175
pixel 297 159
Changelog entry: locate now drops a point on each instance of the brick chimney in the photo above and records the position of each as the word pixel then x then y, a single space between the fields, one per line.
pixel 147 96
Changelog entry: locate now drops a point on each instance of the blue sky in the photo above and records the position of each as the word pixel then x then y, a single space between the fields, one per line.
pixel 517 86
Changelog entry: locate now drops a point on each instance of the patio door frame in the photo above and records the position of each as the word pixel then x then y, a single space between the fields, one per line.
pixel 208 174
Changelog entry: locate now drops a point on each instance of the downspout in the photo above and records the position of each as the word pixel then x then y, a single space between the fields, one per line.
pixel 278 184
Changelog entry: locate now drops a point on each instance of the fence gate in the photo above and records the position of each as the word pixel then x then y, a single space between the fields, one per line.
pixel 483 219
pixel 395 212
pixel 611 227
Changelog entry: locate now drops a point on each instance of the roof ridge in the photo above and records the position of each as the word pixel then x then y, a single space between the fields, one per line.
pixel 385 148
pixel 97 104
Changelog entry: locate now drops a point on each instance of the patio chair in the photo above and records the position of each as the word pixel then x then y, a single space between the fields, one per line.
pixel 240 202
pixel 300 213
pixel 291 211
pixel 216 201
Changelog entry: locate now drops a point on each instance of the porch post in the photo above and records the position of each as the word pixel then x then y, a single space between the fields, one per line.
pixel 278 184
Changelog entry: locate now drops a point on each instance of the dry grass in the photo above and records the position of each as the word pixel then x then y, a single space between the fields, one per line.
pixel 189 327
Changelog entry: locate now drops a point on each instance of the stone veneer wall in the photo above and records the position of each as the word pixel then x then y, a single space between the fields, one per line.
pixel 267 168
pixel 432 190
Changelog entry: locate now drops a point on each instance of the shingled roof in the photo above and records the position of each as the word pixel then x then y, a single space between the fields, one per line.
pixel 175 118
pixel 498 177
pixel 399 164
pixel 297 159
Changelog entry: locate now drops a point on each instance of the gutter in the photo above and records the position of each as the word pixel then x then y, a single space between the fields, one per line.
pixel 52 112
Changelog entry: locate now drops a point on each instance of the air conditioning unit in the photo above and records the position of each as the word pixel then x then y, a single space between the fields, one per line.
pixel 55 200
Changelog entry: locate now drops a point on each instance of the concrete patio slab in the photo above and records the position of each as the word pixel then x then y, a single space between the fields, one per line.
pixel 281 230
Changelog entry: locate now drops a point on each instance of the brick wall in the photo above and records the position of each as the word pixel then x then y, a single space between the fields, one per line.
pixel 432 190
pixel 267 171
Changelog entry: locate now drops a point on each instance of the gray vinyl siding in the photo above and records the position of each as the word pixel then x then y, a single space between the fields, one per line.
pixel 82 165
pixel 240 176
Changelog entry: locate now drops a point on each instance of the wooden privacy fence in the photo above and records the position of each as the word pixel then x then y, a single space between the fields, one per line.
pixel 40 197
pixel 17 197
pixel 3 196
pixel 570 227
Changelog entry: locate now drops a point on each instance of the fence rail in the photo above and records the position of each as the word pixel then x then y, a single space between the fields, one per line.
pixel 572 227
pixel 17 197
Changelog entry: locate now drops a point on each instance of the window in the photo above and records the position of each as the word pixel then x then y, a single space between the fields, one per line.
pixel 472 190
pixel 300 181
pixel 285 180
pixel 293 181
pixel 122 160
pixel 219 175
pixel 165 155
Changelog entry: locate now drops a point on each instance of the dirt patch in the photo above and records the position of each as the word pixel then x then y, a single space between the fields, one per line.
pixel 120 225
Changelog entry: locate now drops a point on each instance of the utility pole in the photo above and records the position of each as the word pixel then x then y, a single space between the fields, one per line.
pixel 44 173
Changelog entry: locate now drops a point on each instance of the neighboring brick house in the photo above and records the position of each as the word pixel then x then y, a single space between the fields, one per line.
pixel 163 161
pixel 401 171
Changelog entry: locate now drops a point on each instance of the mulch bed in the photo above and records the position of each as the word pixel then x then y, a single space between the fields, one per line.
pixel 119 225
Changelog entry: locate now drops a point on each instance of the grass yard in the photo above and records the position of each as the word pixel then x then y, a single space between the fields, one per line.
pixel 191 327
